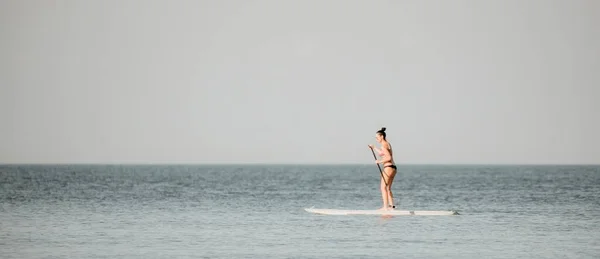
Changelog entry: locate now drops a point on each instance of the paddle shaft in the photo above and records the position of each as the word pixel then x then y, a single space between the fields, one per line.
pixel 381 172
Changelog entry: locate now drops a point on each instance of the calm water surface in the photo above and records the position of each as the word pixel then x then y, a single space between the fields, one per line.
pixel 256 211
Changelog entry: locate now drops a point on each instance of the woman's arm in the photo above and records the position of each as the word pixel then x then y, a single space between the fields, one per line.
pixel 375 148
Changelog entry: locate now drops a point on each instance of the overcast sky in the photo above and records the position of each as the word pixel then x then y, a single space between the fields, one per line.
pixel 311 81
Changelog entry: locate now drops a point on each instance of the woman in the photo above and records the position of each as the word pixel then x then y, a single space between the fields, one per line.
pixel 389 168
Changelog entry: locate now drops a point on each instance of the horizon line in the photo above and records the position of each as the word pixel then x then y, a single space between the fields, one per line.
pixel 296 164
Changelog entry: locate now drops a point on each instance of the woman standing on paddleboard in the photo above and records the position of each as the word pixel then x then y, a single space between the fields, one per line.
pixel 389 168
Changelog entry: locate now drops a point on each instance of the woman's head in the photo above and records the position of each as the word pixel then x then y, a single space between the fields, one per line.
pixel 380 135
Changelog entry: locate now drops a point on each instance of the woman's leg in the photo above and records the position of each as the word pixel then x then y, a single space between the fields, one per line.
pixel 392 173
pixel 384 194
pixel 385 190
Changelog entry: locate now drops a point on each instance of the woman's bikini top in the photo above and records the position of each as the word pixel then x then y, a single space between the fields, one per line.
pixel 381 153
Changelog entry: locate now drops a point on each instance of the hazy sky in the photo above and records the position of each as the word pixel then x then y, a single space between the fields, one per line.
pixel 311 81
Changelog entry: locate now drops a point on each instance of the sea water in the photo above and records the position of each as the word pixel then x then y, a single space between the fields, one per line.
pixel 257 211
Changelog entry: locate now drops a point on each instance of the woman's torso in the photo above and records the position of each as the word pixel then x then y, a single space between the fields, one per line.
pixel 389 148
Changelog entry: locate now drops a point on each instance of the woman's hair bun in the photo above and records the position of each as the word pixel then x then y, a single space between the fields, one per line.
pixel 383 129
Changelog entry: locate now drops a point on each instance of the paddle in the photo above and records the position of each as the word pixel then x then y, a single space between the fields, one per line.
pixel 374 156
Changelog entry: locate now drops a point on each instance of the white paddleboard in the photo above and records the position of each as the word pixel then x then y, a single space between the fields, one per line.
pixel 394 212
